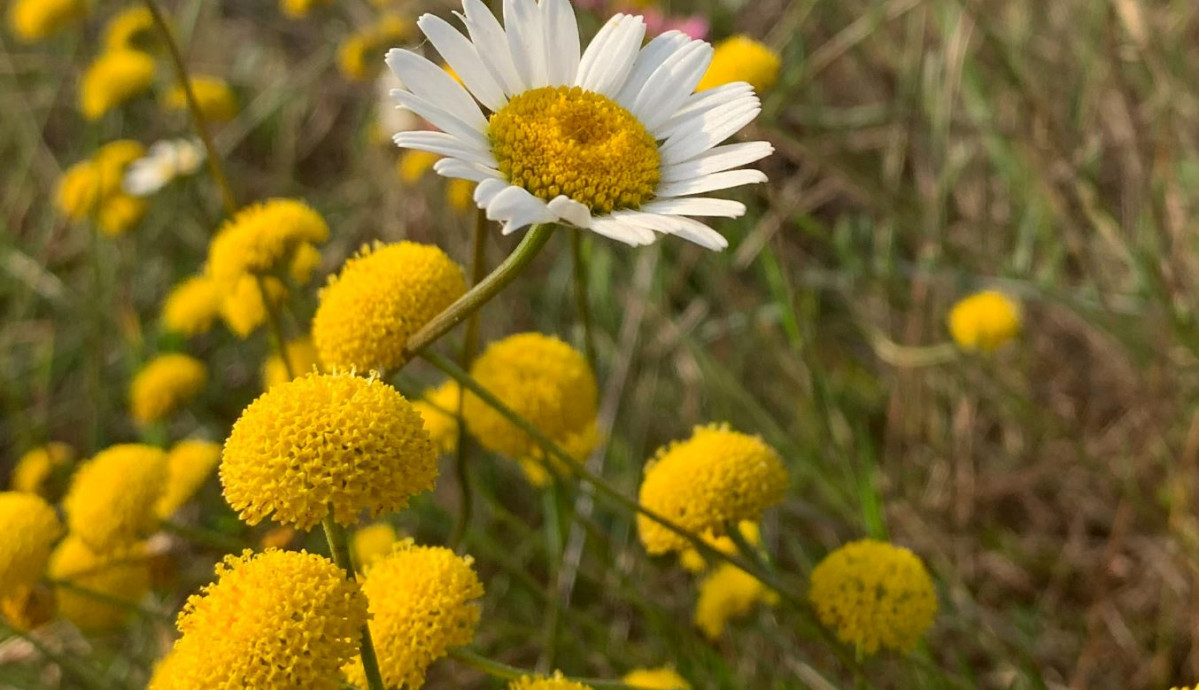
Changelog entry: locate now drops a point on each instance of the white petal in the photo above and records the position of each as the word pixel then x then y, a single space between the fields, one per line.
pixel 703 102
pixel 717 159
pixel 596 50
pixel 571 211
pixel 610 65
pixel 517 208
pixel 648 60
pixel 707 131
pixel 679 226
pixel 622 232
pixel 445 145
pixel 492 44
pixel 460 54
pixel 671 84
pixel 526 40
pixel 487 189
pixel 710 183
pixel 144 177
pixel 561 41
pixel 433 84
pixel 695 206
pixel 452 167
pixel 441 119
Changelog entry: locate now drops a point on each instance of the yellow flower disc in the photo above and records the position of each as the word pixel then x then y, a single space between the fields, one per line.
pixel 34 20
pixel 545 381
pixel 131 28
pixel 112 496
pixel 984 321
pixel 35 467
pixel 664 678
pixel 326 442
pixel 165 384
pixel 189 464
pixel 715 477
pixel 94 583
pixel 564 140
pixel 726 594
pixel 438 407
pixel 113 78
pixel 422 603
pixel 872 594
pixel 301 354
pixel 242 308
pixel 371 543
pixel 381 297
pixel 216 100
pixel 554 682
pixel 279 619
pixel 262 238
pixel 192 306
pixel 741 58
pixel 30 528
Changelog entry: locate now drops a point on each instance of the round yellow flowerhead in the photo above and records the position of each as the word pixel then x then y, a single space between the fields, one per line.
pixel 94 583
pixel 741 58
pixel 91 189
pixel 120 213
pixel 192 306
pixel 383 296
pixel 112 496
pixel 262 239
pixel 665 678
pixel 278 619
pixel 34 468
pixel 691 559
pixel 554 682
pixel 242 308
pixel 460 194
pixel 165 384
pixel 438 407
pixel 189 464
pixel 873 594
pixel 545 381
pixel 112 79
pixel 371 543
pixel 326 442
pixel 984 321
pixel 726 594
pixel 34 20
pixel 715 477
pixel 130 29
pixel 78 192
pixel 215 99
pixel 30 529
pixel 301 354
pixel 422 604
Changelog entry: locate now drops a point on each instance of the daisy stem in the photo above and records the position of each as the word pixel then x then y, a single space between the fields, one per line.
pixel 214 162
pixel 581 296
pixel 506 672
pixel 339 546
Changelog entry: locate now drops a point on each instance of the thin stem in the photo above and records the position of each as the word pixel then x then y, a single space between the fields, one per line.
pixel 581 297
pixel 110 600
pixel 272 317
pixel 221 542
pixel 506 672
pixel 214 162
pixel 533 242
pixel 339 546
pixel 751 554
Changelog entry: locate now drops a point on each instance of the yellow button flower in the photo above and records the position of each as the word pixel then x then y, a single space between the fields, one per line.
pixel 371 543
pixel 192 306
pixel 130 29
pixel 262 239
pixel 242 308
pixel 91 189
pixel 112 79
pixel 873 594
pixel 165 384
pixel 554 682
pixel 34 468
pixel 545 381
pixel 716 477
pixel 422 604
pixel 438 407
pixel 664 678
pixel 382 296
pixel 741 58
pixel 34 20
pixel 112 496
pixel 301 354
pixel 96 584
pixel 728 593
pixel 189 464
pixel 30 529
pixel 984 321
pixel 216 100
pixel 326 442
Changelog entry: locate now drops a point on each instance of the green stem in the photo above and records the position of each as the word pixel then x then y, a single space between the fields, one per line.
pixel 339 546
pixel 110 600
pixel 581 298
pixel 221 542
pixel 506 672
pixel 276 325
pixel 751 554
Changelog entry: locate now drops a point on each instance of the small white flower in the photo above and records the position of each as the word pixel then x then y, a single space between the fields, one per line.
pixel 165 161
pixel 613 139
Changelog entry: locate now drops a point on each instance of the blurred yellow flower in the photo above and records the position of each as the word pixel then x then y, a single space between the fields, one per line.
pixel 242 308
pixel 35 467
pixel 215 99
pixel 298 9
pixel 371 543
pixel 112 79
pixel 360 55
pixel 545 381
pixel 382 296
pixel 130 29
pixel 34 20
pixel 554 682
pixel 304 263
pixel 93 584
pixel 460 194
pixel 985 321
pixel 301 353
pixel 262 239
pixel 691 559
pixel 30 528
pixel 414 164
pixel 192 306
pixel 120 213
pixel 664 678
pixel 726 594
pixel 163 385
pixel 872 594
pixel 741 58
pixel 279 619
pixel 189 464
pixel 326 443
pixel 438 408
pixel 112 496
pixel 422 603
pixel 715 477
pixel 91 189
pixel 29 609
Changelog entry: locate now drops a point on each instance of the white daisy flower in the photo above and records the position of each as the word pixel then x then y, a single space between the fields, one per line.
pixel 613 139
pixel 165 161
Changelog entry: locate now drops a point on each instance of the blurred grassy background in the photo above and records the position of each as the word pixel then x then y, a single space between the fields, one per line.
pixel 925 148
